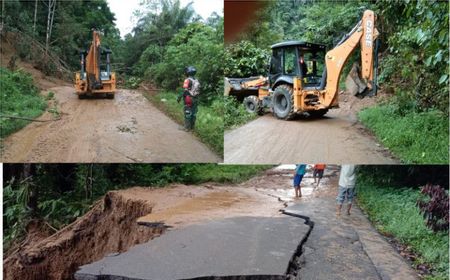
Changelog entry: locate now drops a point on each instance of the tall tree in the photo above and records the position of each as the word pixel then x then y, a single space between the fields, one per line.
pixel 50 16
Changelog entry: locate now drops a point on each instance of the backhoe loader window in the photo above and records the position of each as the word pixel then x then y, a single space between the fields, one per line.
pixel 275 62
pixel 290 62
pixel 314 61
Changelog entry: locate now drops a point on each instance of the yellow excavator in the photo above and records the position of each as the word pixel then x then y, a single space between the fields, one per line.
pixel 95 76
pixel 304 78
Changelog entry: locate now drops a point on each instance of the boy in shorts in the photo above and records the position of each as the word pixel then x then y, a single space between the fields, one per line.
pixel 318 172
pixel 300 171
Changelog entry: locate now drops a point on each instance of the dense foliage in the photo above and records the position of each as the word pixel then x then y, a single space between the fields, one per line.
pixel 393 209
pixel 197 44
pixel 19 98
pixel 59 193
pixel 70 29
pixel 243 59
pixel 435 207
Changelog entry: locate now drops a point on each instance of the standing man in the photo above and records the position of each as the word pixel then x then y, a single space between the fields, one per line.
pixel 318 172
pixel 300 171
pixel 347 181
pixel 191 90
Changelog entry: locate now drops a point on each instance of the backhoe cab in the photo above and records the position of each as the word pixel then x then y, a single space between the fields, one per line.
pixel 304 78
pixel 95 76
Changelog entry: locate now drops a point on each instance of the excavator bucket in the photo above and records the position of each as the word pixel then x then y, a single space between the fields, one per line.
pixel 355 85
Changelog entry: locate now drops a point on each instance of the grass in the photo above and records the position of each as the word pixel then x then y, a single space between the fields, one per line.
pixel 20 98
pixel 235 113
pixel 414 137
pixel 209 124
pixel 394 212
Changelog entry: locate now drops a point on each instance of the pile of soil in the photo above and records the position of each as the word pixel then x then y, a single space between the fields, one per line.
pixel 109 227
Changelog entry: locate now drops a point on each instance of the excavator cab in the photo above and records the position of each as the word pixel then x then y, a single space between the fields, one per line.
pixel 297 59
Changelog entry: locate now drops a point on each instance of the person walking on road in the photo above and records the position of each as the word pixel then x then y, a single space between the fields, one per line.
pixel 346 191
pixel 300 171
pixel 318 172
pixel 191 90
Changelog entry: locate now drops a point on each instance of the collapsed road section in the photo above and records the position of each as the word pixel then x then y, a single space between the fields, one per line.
pixel 110 226
pixel 234 248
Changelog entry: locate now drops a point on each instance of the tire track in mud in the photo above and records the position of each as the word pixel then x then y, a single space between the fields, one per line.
pixel 126 129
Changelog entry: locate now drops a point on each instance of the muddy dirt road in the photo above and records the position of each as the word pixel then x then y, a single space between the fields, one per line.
pixel 126 129
pixel 335 139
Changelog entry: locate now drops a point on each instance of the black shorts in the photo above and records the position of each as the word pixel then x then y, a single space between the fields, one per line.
pixel 318 172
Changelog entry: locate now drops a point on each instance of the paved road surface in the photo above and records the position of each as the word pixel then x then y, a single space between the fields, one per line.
pixel 246 246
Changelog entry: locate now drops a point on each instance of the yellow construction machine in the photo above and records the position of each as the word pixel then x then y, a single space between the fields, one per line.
pixel 304 78
pixel 95 76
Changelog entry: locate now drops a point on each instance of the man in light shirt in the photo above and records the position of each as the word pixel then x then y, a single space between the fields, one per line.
pixel 347 180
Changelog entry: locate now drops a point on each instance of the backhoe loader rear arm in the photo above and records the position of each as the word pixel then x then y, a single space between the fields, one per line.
pixel 363 34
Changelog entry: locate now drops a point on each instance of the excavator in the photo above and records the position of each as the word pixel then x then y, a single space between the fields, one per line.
pixel 94 77
pixel 304 78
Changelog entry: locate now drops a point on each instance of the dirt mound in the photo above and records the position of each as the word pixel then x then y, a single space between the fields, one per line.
pixel 8 51
pixel 109 227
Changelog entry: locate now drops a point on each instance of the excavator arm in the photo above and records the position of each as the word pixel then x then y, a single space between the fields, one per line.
pixel 93 63
pixel 364 34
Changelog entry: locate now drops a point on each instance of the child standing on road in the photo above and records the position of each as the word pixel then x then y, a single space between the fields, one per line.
pixel 318 171
pixel 347 181
pixel 300 170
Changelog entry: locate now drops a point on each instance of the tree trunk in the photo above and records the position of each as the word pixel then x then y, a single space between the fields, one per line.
pixel 3 16
pixel 29 171
pixel 50 16
pixel 35 16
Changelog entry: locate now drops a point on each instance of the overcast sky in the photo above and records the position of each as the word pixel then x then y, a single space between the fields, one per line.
pixel 123 9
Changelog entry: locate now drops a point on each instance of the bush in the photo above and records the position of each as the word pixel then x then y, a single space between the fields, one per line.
pixel 20 98
pixel 235 113
pixel 243 59
pixel 435 207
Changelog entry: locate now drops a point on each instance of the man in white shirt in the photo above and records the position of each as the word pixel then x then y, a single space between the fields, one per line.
pixel 347 180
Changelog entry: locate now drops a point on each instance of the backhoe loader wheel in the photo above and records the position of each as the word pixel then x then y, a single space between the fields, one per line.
pixel 253 105
pixel 110 95
pixel 81 96
pixel 283 102
pixel 318 113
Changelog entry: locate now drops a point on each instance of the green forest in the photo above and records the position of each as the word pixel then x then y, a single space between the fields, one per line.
pixel 413 65
pixel 166 38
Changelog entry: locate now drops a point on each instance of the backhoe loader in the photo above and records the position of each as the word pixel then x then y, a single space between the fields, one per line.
pixel 304 78
pixel 94 77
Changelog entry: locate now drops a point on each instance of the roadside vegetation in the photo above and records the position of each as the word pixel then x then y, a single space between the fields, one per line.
pixel 20 98
pixel 413 65
pixel 209 125
pixel 392 200
pixel 416 137
pixel 57 194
